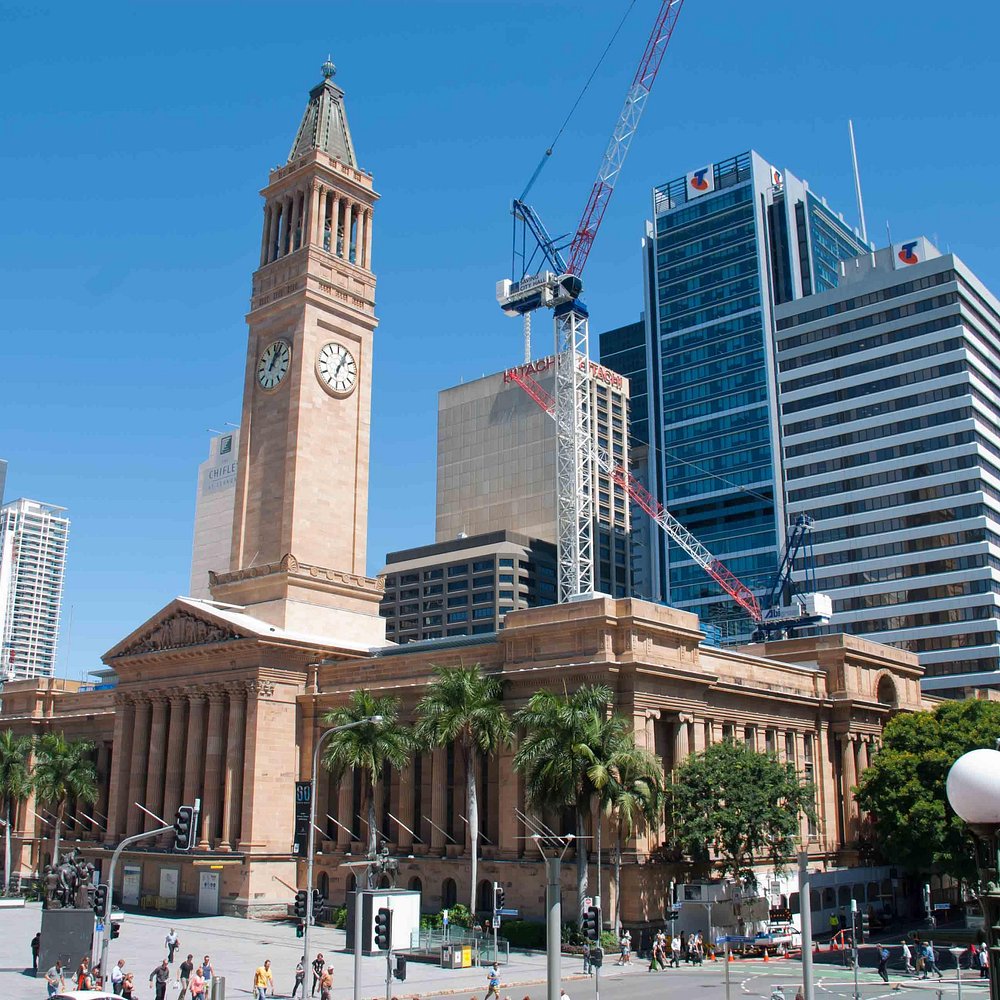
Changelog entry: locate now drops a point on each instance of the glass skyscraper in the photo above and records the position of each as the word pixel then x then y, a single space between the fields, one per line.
pixel 728 242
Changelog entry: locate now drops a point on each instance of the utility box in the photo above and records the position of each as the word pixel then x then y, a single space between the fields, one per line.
pixel 67 934
pixel 451 956
pixel 405 906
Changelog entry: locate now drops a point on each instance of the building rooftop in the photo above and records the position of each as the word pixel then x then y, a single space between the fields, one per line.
pixel 324 123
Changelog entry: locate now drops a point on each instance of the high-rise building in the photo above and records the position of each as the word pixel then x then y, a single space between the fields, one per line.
pixel 3 479
pixel 465 586
pixel 213 512
pixel 497 464
pixel 33 540
pixel 728 242
pixel 891 426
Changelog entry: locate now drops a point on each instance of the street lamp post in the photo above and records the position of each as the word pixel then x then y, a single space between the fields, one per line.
pixel 973 789
pixel 310 850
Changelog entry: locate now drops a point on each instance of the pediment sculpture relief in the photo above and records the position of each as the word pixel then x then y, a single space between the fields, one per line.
pixel 177 631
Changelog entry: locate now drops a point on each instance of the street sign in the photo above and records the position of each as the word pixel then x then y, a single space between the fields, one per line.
pixel 303 803
pixel 508 912
pixel 99 929
pixel 588 902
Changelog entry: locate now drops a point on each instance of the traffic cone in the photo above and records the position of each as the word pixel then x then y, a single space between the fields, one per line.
pixel 766 957
pixel 731 959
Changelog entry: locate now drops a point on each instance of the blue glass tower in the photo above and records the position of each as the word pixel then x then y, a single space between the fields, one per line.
pixel 728 242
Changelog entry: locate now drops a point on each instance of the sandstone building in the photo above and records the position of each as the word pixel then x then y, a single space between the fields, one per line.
pixel 221 699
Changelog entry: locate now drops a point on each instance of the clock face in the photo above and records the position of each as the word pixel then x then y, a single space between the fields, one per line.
pixel 273 364
pixel 337 369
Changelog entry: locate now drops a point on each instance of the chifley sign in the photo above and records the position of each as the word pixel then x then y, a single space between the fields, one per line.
pixel 540 367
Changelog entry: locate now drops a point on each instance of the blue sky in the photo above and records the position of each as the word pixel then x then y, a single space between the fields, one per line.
pixel 136 138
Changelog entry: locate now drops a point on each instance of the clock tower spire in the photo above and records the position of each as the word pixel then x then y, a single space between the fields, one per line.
pixel 301 511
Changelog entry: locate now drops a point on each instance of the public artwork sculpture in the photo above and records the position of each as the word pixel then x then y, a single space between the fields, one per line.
pixel 69 884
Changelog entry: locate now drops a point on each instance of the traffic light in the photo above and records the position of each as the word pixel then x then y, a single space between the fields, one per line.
pixel 319 905
pixel 592 923
pixel 400 971
pixel 115 929
pixel 383 929
pixel 596 957
pixel 300 929
pixel 184 829
pixel 100 900
pixel 300 904
pixel 673 914
pixel 864 927
pixel 498 897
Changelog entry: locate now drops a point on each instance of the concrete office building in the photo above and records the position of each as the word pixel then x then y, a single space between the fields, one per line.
pixel 728 241
pixel 213 511
pixel 33 541
pixel 891 428
pixel 465 586
pixel 497 464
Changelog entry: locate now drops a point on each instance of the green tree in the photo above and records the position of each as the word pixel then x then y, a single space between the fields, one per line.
pixel 369 748
pixel 558 755
pixel 741 806
pixel 64 769
pixel 15 787
pixel 904 788
pixel 463 706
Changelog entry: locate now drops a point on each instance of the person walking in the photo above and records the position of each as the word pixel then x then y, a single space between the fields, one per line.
pixel 317 966
pixel 930 962
pixel 300 978
pixel 883 964
pixel 907 957
pixel 159 977
pixel 263 981
pixel 627 939
pixel 326 984
pixel 983 959
pixel 675 951
pixel 55 980
pixel 84 980
pixel 128 987
pixel 586 958
pixel 493 982
pixel 171 942
pixel 197 985
pixel 36 947
pixel 118 977
pixel 184 974
pixel 208 973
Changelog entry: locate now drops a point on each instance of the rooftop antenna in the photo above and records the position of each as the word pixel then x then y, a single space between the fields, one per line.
pixel 857 184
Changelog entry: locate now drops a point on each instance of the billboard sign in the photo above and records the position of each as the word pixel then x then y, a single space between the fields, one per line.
pixel 303 806
pixel 910 252
pixel 700 181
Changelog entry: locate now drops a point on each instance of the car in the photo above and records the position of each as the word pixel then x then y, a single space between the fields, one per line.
pixel 85 995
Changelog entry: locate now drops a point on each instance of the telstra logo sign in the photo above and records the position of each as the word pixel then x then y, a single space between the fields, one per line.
pixel 698 181
pixel 906 254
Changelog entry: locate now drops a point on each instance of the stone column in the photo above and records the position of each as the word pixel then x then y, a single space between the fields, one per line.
pixel 139 764
pixel 233 793
pixel 404 808
pixel 103 789
pixel 849 778
pixel 121 761
pixel 173 786
pixel 334 222
pixel 194 760
pixel 439 797
pixel 264 235
pixel 214 738
pixel 699 736
pixel 153 799
pixel 315 200
pixel 359 251
pixel 681 745
pixel 345 803
pixel 368 239
pixel 286 231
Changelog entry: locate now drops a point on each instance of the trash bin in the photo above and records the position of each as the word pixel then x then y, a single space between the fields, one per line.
pixel 218 988
pixel 451 957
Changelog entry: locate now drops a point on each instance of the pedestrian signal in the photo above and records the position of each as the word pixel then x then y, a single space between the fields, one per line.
pixel 184 829
pixel 383 929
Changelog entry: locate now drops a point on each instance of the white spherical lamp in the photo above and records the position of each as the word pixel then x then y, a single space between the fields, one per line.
pixel 973 787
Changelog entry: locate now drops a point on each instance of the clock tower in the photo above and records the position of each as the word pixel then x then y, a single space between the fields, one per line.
pixel 301 509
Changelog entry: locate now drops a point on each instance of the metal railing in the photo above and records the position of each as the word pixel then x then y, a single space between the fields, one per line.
pixel 429 941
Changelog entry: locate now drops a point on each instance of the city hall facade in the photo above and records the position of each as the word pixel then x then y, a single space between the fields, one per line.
pixel 222 699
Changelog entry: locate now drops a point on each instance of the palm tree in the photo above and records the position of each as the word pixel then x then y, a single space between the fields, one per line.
pixel 63 769
pixel 368 748
pixel 561 742
pixel 633 796
pixel 15 787
pixel 464 707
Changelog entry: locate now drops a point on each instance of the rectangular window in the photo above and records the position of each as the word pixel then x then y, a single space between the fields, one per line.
pixel 433 605
pixel 809 775
pixel 790 747
pixel 482 612
pixel 749 737
pixel 409 595
pixel 728 731
pixel 483 597
pixel 506 578
pixel 434 588
pixel 458 631
pixel 507 563
pixel 458 616
pixel 432 620
pixel 409 577
pixel 457 585
pixel 771 740
pixel 434 574
pixel 481 629
pixel 433 635
pixel 482 581
pixel 458 570
pixel 483 566
pixel 458 602
pixel 506 595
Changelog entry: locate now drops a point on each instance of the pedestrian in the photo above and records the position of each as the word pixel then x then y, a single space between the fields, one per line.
pixel 930 962
pixel 326 983
pixel 187 967
pixel 55 980
pixel 36 946
pixel 984 962
pixel 118 977
pixel 493 982
pixel 627 938
pixel 171 942
pixel 883 964
pixel 263 980
pixel 699 948
pixel 197 984
pixel 317 966
pixel 206 969
pixel 686 948
pixel 300 978
pixel 675 951
pixel 563 995
pixel 586 958
pixel 84 980
pixel 128 987
pixel 160 976
pixel 907 957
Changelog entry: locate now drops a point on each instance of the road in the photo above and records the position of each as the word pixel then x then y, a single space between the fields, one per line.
pixel 237 947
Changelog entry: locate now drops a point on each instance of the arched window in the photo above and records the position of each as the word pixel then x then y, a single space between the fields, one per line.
pixel 449 893
pixel 828 898
pixel 415 885
pixel 485 897
pixel 885 693
pixel 324 885
pixel 844 897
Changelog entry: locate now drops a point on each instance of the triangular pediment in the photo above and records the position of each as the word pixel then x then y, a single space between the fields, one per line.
pixel 177 627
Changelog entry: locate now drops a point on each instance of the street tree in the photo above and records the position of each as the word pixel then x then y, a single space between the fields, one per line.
pixel 64 769
pixel 731 807
pixel 904 787
pixel 15 787
pixel 369 748
pixel 464 707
